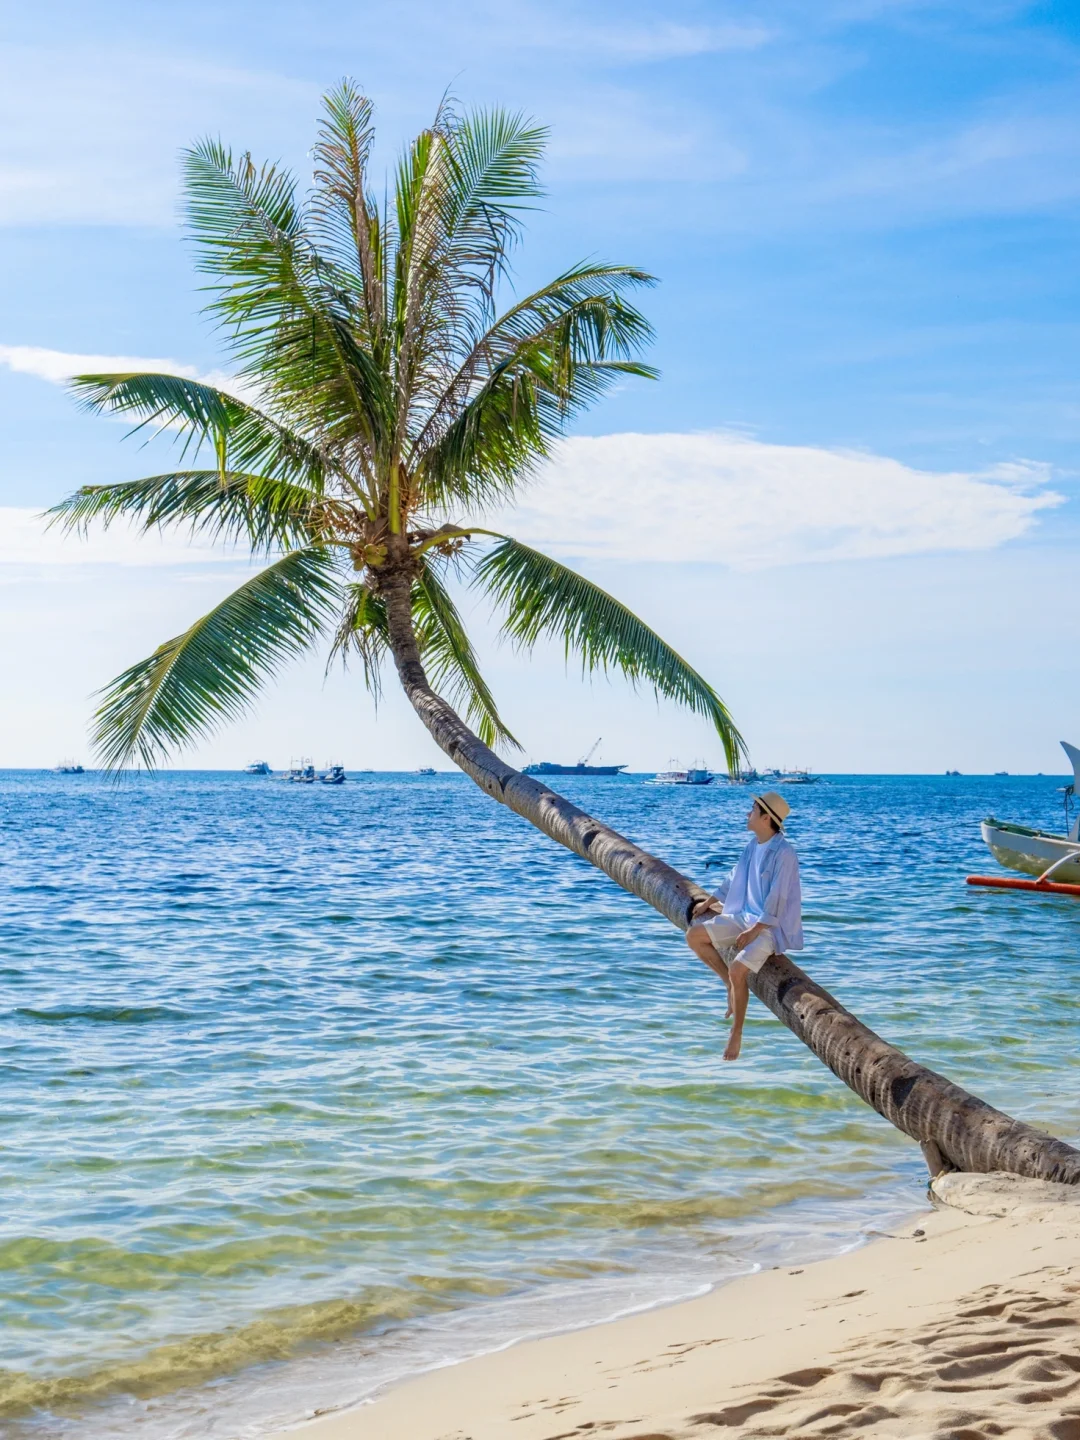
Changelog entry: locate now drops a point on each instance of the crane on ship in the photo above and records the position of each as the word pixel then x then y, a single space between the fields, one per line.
pixel 596 746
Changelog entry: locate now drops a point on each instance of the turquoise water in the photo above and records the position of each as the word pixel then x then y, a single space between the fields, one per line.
pixel 305 1088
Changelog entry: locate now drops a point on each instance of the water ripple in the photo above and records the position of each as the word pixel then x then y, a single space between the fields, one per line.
pixel 382 1067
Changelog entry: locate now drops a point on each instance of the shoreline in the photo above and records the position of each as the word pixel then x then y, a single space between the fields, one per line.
pixel 969 1310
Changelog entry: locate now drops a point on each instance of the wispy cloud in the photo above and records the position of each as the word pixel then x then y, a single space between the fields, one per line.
pixel 59 366
pixel 26 539
pixel 713 498
pixel 630 43
pixel 75 145
pixel 727 500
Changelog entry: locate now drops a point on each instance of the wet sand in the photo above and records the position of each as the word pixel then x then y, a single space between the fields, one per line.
pixel 961 1324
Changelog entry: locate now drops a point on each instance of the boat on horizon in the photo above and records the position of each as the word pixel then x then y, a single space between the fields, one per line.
pixel 302 774
pixel 792 777
pixel 258 767
pixel 551 767
pixel 1040 852
pixel 696 775
pixel 426 770
pixel 69 767
pixel 333 775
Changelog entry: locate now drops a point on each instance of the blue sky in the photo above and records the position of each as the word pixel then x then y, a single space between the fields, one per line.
pixel 865 220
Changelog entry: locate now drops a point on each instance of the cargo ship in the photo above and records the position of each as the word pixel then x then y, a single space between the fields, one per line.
pixel 548 767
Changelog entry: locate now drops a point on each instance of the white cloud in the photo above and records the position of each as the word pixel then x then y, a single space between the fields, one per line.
pixel 58 366
pixel 627 42
pixel 725 499
pixel 718 498
pixel 76 145
pixel 27 539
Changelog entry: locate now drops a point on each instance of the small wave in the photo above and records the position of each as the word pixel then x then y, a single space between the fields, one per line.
pixel 103 1014
pixel 278 1335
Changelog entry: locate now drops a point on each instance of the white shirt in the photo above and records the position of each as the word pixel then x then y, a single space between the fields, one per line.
pixel 754 905
pixel 764 887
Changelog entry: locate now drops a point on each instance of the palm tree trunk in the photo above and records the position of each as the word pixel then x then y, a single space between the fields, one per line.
pixel 955 1129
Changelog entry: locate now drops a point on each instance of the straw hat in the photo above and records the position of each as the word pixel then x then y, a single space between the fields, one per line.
pixel 775 806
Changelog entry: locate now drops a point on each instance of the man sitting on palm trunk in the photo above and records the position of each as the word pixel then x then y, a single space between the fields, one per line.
pixel 756 912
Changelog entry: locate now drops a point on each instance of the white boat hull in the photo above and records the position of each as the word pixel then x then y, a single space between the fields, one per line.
pixel 1031 851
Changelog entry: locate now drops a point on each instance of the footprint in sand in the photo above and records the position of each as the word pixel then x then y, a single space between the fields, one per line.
pixel 1005 1364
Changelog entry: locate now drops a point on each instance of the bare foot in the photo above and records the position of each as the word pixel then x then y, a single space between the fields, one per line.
pixel 734 1045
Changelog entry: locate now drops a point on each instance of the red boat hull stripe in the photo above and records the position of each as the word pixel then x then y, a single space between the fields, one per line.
pixel 1053 887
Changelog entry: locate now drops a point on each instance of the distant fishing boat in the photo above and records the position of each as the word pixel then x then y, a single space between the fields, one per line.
pixel 792 777
pixel 1000 772
pixel 302 774
pixel 333 775
pixel 744 777
pixel 696 775
pixel 426 770
pixel 69 767
pixel 549 767
pixel 258 767
pixel 952 772
pixel 1052 859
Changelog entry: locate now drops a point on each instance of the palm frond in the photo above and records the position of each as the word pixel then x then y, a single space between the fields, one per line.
pixel 267 514
pixel 450 661
pixel 241 434
pixel 210 673
pixel 293 320
pixel 363 630
pixel 492 176
pixel 544 361
pixel 345 215
pixel 543 598
pixel 459 193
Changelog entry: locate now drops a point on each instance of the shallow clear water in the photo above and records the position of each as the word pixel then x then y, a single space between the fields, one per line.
pixel 303 1088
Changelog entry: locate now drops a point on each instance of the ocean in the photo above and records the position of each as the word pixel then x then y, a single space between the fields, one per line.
pixel 304 1089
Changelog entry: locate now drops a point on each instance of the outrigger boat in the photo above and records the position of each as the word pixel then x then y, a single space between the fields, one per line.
pixel 696 775
pixel 791 777
pixel 302 774
pixel 1054 860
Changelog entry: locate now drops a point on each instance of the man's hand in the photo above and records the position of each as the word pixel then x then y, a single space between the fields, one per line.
pixel 748 935
pixel 702 907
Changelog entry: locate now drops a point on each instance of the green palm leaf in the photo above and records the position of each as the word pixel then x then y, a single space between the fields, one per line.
pixel 345 215
pixel 363 630
pixel 542 597
pixel 543 362
pixel 265 513
pixel 450 661
pixel 202 414
pixel 292 317
pixel 210 673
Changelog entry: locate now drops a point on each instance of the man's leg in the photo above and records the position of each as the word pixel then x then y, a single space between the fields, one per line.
pixel 739 991
pixel 742 964
pixel 699 938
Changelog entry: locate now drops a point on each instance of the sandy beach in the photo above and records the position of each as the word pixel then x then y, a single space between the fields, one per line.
pixel 963 1322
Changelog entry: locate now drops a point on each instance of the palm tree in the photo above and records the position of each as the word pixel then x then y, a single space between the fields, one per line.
pixel 382 404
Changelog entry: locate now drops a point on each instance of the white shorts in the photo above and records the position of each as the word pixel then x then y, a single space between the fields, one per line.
pixel 724 930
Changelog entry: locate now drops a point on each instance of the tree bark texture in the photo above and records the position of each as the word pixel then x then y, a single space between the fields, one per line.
pixel 954 1127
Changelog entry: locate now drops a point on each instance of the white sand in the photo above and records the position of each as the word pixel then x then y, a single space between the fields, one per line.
pixel 964 1324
